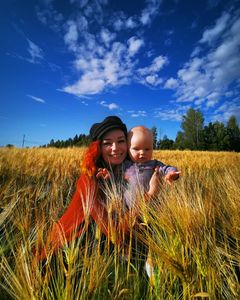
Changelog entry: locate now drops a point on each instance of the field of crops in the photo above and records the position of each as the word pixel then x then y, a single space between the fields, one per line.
pixel 193 237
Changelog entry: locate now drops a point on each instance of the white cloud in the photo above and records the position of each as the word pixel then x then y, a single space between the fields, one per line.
pixel 171 114
pixel 130 23
pixel 71 35
pixel 153 80
pixel 150 11
pixel 107 36
pixel 149 75
pixel 213 99
pixel 88 84
pixel 226 110
pixel 49 16
pixel 156 65
pixel 118 24
pixel 37 99
pixel 134 44
pixel 120 21
pixel 210 35
pixel 35 52
pixel 137 113
pixel 82 23
pixel 171 83
pixel 84 103
pixel 103 58
pixel 206 79
pixel 101 67
pixel 196 51
pixel 110 106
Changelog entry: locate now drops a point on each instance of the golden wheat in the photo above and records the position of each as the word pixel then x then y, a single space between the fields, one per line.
pixel 192 231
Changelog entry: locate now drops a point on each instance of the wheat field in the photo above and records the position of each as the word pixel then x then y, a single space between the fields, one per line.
pixel 192 231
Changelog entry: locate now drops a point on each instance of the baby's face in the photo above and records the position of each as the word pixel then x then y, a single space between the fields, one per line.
pixel 140 147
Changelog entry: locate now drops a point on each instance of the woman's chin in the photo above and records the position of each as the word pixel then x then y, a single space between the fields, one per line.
pixel 116 160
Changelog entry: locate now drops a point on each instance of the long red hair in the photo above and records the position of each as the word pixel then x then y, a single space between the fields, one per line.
pixel 89 162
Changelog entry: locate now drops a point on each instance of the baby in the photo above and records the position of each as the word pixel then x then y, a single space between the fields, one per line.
pixel 139 170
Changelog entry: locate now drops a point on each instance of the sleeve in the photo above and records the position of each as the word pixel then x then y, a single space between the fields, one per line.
pixel 79 209
pixel 165 169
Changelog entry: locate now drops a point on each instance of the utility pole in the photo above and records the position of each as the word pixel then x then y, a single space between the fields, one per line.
pixel 160 133
pixel 23 141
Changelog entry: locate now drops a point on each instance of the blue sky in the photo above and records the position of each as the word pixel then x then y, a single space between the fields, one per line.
pixel 67 64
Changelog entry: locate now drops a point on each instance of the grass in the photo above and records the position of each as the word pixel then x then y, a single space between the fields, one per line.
pixel 192 231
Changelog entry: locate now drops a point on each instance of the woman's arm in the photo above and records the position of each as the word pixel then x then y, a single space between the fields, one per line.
pixel 78 211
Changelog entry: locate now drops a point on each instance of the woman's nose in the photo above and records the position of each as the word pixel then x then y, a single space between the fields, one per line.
pixel 114 146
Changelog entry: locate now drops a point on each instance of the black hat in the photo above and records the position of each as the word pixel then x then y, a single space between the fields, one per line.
pixel 112 122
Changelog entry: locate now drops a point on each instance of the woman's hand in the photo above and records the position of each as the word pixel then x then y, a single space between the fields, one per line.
pixel 103 173
pixel 171 176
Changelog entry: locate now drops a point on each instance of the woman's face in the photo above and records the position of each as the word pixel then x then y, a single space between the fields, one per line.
pixel 114 147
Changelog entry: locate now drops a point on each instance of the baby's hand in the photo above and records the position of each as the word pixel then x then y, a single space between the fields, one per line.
pixel 103 173
pixel 171 176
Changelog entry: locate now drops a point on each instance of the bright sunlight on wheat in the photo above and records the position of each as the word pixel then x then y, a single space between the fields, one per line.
pixel 192 230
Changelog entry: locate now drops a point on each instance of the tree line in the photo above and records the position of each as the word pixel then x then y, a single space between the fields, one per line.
pixel 215 136
pixel 78 141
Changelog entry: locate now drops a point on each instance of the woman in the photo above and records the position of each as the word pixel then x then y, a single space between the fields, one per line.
pixel 106 152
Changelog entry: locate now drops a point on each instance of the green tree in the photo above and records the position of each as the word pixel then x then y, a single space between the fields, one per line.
pixel 210 140
pixel 222 137
pixel 192 126
pixel 165 143
pixel 216 137
pixel 179 141
pixel 51 144
pixel 234 134
pixel 75 140
pixel 154 132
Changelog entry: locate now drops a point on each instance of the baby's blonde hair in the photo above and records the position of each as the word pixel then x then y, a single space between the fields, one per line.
pixel 139 128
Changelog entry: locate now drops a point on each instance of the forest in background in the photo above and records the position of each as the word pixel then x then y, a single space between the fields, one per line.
pixel 215 136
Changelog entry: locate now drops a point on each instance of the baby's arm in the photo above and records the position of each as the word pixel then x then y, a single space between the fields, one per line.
pixel 155 184
pixel 170 173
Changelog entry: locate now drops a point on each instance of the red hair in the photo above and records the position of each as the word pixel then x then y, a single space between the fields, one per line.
pixel 89 162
